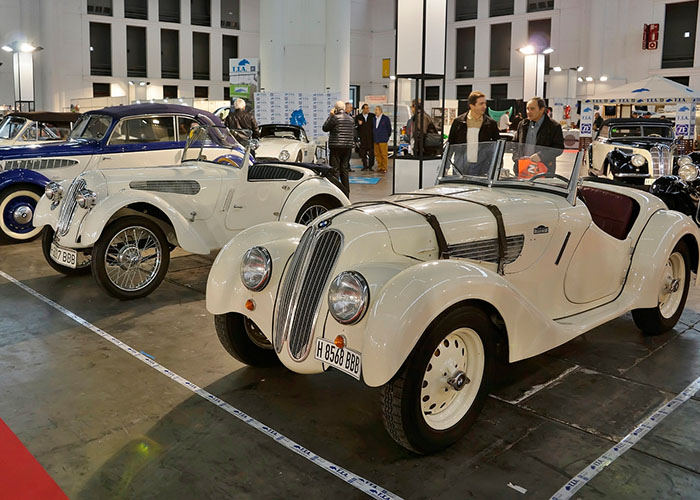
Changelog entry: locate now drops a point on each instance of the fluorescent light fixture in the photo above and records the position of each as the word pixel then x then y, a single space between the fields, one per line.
pixel 26 47
pixel 589 78
pixel 686 34
pixel 603 78
pixel 138 102
pixel 579 68
pixel 181 100
pixel 527 50
pixel 142 84
pixel 548 50
pixel 392 77
pixel 580 79
pixel 92 48
pixel 557 68
pixel 131 82
pixel 7 48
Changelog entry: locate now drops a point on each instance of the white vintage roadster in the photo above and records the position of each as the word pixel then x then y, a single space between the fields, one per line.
pixel 420 293
pixel 288 143
pixel 123 223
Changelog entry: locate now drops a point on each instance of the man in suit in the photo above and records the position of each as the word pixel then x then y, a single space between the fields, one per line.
pixel 538 129
pixel 364 123
pixel 382 133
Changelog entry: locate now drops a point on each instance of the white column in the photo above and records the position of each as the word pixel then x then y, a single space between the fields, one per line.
pixel 338 47
pixel 533 76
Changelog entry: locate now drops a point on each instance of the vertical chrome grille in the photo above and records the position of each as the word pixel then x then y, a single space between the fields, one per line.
pixel 68 206
pixel 662 160
pixel 655 160
pixel 302 289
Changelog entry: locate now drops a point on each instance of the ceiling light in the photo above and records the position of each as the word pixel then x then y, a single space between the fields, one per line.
pixel 548 50
pixel 589 78
pixel 26 47
pixel 580 79
pixel 527 50
pixel 579 68
pixel 392 77
pixel 92 48
pixel 556 68
pixel 603 78
pixel 7 48
pixel 686 34
pixel 131 82
pixel 142 84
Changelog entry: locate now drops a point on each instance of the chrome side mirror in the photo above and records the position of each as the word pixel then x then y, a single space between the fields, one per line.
pixel 254 144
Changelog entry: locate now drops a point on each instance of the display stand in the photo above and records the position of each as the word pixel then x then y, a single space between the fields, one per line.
pixel 420 50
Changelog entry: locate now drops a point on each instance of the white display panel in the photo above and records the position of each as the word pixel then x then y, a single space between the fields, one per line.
pixel 308 110
pixel 406 175
pixel 435 29
pixel 409 37
pixel 430 172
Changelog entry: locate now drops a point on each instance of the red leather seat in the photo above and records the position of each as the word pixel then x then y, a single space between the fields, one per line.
pixel 612 212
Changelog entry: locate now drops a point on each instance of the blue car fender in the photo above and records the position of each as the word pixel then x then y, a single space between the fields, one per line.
pixel 22 176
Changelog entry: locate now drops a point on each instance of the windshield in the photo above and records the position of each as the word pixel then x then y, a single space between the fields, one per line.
pixel 511 164
pixel 10 126
pixel 201 137
pixel 292 133
pixel 641 131
pixel 91 127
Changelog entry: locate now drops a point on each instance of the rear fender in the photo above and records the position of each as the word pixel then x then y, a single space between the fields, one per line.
pixel 306 190
pixel 22 176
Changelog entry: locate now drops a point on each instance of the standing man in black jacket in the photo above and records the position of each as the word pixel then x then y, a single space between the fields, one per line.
pixel 240 119
pixel 341 127
pixel 364 123
pixel 471 128
pixel 538 129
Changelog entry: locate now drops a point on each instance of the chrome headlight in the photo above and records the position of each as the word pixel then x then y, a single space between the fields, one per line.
pixel 284 155
pixel 256 268
pixel 348 297
pixel 688 172
pixel 638 160
pixel 684 160
pixel 53 191
pixel 86 198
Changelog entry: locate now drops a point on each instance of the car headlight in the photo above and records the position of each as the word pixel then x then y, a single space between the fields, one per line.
pixel 86 198
pixel 284 155
pixel 256 268
pixel 53 191
pixel 348 297
pixel 638 160
pixel 684 160
pixel 688 172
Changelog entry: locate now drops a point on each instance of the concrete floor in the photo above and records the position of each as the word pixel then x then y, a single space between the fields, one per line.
pixel 105 425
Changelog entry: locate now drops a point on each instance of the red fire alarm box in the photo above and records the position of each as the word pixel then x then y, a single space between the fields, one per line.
pixel 650 39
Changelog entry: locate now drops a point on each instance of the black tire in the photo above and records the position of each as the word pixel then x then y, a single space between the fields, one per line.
pixel 315 207
pixel 99 252
pixel 11 230
pixel 403 414
pixel 244 341
pixel 83 267
pixel 652 321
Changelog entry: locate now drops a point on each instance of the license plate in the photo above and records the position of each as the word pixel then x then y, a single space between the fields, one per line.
pixel 344 360
pixel 649 181
pixel 64 256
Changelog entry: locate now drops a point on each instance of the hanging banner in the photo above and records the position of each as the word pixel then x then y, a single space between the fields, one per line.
pixel 685 120
pixel 587 112
pixel 243 77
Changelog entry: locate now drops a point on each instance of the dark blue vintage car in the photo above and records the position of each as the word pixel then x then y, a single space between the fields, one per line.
pixel 122 136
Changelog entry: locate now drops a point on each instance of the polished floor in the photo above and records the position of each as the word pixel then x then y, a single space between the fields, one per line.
pixel 105 425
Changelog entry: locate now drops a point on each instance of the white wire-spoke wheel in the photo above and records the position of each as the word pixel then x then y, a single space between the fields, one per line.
pixel 17 206
pixel 440 389
pixel 314 208
pixel 131 257
pixel 672 294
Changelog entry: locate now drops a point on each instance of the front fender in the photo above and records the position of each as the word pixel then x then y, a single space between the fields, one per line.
pixel 95 221
pixel 659 237
pixel 304 191
pixel 225 290
pixel 22 176
pixel 409 302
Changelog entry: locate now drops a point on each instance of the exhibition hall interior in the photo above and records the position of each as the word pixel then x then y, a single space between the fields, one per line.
pixel 389 249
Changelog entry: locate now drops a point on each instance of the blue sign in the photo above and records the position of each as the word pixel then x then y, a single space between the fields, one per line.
pixel 643 89
pixel 586 128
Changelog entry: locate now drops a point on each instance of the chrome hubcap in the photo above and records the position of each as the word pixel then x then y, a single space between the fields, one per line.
pixel 673 282
pixel 458 380
pixel 128 257
pixel 133 258
pixel 22 214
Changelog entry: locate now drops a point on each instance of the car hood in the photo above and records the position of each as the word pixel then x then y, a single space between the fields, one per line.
pixel 528 216
pixel 271 146
pixel 67 148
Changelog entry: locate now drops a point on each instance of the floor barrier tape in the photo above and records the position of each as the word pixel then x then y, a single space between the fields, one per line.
pixel 345 475
pixel 607 458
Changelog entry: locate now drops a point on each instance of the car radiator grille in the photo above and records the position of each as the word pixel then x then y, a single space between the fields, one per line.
pixel 662 160
pixel 175 187
pixel 39 163
pixel 487 250
pixel 68 206
pixel 301 292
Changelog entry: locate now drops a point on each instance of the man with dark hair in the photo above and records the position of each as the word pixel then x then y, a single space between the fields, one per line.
pixel 539 130
pixel 364 124
pixel 474 125
pixel 340 141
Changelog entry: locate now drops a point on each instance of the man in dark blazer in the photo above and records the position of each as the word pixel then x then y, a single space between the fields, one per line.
pixel 538 129
pixel 364 124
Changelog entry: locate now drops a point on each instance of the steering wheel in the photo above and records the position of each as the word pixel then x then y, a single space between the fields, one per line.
pixel 654 135
pixel 547 174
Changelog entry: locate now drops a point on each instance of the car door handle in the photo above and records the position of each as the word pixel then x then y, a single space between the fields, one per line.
pixel 106 157
pixel 238 206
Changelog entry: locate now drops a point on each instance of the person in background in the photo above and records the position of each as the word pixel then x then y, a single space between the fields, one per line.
pixel 597 122
pixel 349 110
pixel 364 124
pixel 471 128
pixel 419 126
pixel 381 135
pixel 539 130
pixel 516 121
pixel 504 122
pixel 635 114
pixel 240 119
pixel 341 129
